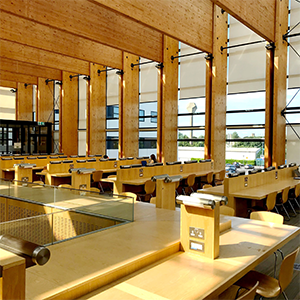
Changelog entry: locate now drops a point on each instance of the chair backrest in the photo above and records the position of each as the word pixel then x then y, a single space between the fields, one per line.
pixel 209 177
pixel 93 189
pixel 97 176
pixel 250 294
pixel 39 182
pixel 205 186
pixel 65 186
pixel 149 186
pixel 271 200
pixel 297 190
pixel 287 269
pixel 285 194
pixel 191 179
pixel 226 210
pixel 129 194
pixel 153 200
pixel 222 175
pixel 267 216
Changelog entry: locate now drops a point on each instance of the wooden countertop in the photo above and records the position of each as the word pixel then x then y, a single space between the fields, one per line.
pixel 215 190
pixel 95 257
pixel 188 276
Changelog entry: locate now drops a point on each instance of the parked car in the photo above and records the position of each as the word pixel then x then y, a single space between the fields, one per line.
pixel 230 169
pixel 237 164
pixel 249 167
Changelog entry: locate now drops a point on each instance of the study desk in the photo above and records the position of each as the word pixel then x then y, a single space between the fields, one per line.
pixel 240 198
pixel 188 276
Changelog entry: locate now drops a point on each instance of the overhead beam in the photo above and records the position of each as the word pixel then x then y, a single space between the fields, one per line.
pixel 189 21
pixel 4 75
pixel 14 66
pixel 89 20
pixel 40 57
pixel 259 16
pixel 31 33
pixel 8 84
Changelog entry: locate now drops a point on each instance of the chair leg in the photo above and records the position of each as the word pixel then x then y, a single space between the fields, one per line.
pixel 277 211
pixel 284 295
pixel 286 212
pixel 295 214
pixel 275 264
pixel 297 202
pixel 100 187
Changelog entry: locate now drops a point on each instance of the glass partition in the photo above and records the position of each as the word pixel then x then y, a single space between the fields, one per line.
pixel 48 214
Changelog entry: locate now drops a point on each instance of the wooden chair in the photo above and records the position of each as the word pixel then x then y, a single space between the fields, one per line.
pixel 93 189
pixel 39 182
pixel 283 198
pixel 190 181
pixel 267 216
pixel 219 180
pixel 227 210
pixel 96 179
pixel 250 294
pixel 68 186
pixel 129 194
pixel 270 204
pixel 295 194
pixel 205 186
pixel 153 200
pixel 149 189
pixel 270 287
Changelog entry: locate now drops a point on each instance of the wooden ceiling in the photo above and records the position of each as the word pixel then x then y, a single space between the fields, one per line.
pixel 41 38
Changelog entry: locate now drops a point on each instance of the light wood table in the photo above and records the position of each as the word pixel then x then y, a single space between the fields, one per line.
pixel 214 190
pixel 188 276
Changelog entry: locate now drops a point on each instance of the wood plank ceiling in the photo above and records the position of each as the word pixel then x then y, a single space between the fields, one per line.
pixel 41 38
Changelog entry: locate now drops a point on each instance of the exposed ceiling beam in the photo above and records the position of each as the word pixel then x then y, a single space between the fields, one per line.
pixel 8 84
pixel 259 16
pixel 28 69
pixel 4 75
pixel 31 33
pixel 91 21
pixel 19 52
pixel 189 21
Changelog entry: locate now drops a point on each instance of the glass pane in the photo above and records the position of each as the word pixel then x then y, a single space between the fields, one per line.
pixel 192 120
pixel 245 118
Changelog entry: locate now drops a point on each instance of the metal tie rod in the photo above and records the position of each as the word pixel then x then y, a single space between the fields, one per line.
pixel 240 45
pixel 185 55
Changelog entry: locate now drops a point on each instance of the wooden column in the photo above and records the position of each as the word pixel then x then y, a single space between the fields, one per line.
pixel 269 106
pixel 208 86
pixel 167 103
pixel 96 111
pixel 24 102
pixel 68 124
pixel 44 107
pixel 219 79
pixel 129 108
pixel 280 71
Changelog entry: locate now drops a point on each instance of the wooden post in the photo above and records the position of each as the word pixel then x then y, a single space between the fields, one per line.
pixel 24 102
pixel 200 230
pixel 208 87
pixel 68 124
pixel 167 103
pixel 96 111
pixel 44 107
pixel 165 194
pixel 280 71
pixel 80 181
pixel 219 79
pixel 269 106
pixel 23 174
pixel 12 283
pixel 129 108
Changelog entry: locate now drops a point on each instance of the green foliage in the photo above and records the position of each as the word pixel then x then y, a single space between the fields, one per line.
pixel 245 161
pixel 190 143
pixel 246 144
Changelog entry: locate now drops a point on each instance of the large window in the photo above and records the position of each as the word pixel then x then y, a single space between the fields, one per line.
pixel 245 114
pixel 112 114
pixel 147 108
pixel 191 103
